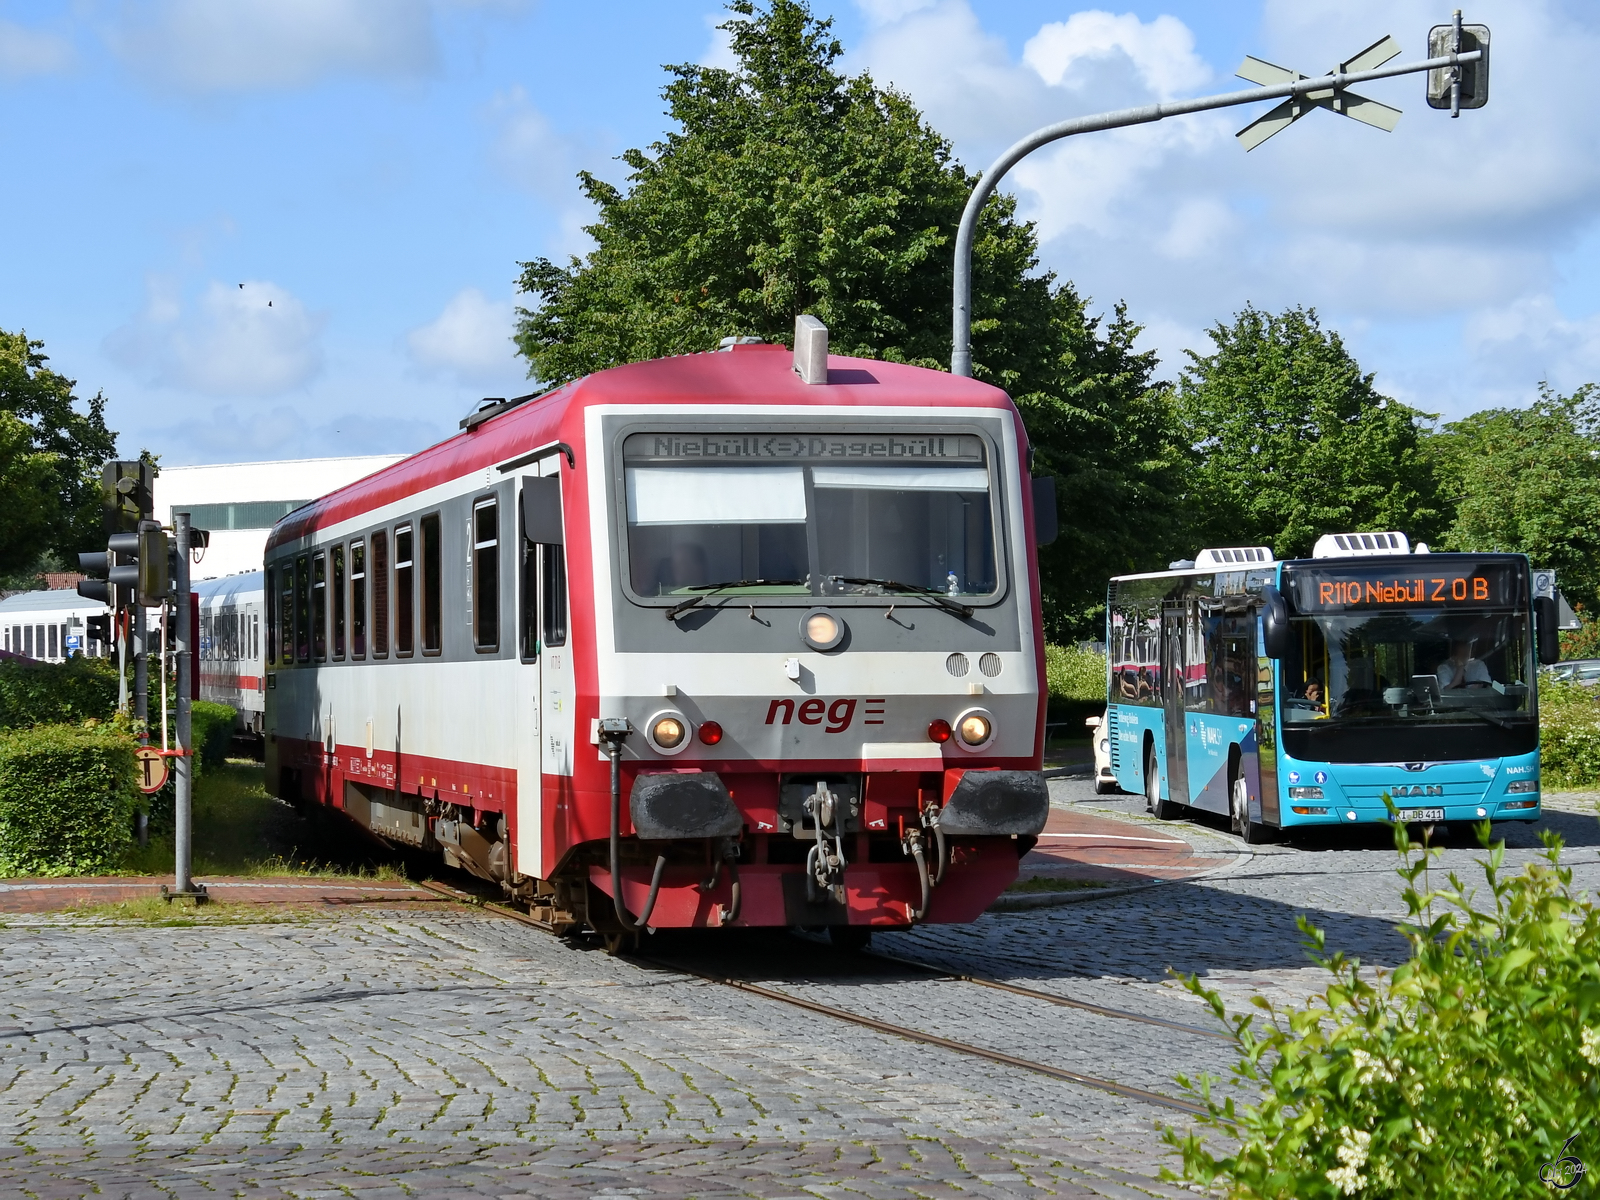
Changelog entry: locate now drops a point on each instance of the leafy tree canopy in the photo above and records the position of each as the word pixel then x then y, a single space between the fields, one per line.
pixel 50 458
pixel 789 187
pixel 1291 440
pixel 1528 480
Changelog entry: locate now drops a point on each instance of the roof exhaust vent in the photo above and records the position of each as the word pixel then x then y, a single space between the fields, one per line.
pixel 1234 557
pixel 1360 545
pixel 810 349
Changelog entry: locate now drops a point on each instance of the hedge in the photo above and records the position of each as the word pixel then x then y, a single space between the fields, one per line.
pixel 210 732
pixel 1569 735
pixel 37 693
pixel 67 798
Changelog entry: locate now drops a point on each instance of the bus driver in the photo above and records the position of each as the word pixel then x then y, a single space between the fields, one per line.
pixel 1461 669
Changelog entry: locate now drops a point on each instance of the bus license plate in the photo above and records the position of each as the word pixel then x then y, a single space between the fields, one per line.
pixel 1421 816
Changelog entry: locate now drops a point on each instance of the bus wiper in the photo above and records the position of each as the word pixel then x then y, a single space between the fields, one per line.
pixel 910 589
pixel 710 589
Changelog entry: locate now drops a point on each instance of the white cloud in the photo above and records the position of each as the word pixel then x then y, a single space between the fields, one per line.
pixel 1162 51
pixel 528 151
pixel 1531 339
pixel 25 51
pixel 241 45
pixel 719 46
pixel 886 12
pixel 251 339
pixel 470 339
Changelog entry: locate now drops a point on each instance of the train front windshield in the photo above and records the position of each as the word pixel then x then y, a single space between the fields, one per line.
pixel 833 523
pixel 1447 651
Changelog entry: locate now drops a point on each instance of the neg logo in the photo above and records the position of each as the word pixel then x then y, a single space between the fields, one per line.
pixel 838 714
pixel 1565 1171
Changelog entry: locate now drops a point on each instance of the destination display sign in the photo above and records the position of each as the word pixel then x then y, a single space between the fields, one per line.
pixel 1349 588
pixel 796 447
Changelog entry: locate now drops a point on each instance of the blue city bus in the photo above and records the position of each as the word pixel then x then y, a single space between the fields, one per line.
pixel 1298 693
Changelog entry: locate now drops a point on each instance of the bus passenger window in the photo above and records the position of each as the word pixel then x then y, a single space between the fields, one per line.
pixel 286 613
pixel 319 606
pixel 302 608
pixel 486 576
pixel 271 598
pixel 380 594
pixel 553 594
pixel 432 587
pixel 358 600
pixel 405 594
pixel 338 602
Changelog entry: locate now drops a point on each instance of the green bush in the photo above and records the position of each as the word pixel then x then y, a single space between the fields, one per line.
pixel 38 693
pixel 1569 735
pixel 210 732
pixel 1075 674
pixel 67 797
pixel 1461 1074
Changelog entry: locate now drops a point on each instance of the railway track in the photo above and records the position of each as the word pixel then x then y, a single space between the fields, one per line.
pixel 1160 1099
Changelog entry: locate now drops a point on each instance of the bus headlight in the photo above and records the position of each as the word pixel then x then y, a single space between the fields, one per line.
pixel 974 730
pixel 668 732
pixel 1305 793
pixel 1522 785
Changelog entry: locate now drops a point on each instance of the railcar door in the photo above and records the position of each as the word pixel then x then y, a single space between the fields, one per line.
pixel 541 694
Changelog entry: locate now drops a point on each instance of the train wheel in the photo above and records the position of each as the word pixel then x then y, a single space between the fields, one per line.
pixel 617 943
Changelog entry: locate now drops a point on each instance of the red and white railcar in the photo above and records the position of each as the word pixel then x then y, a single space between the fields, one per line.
pixel 693 642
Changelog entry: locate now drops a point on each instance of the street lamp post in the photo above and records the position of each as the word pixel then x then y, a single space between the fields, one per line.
pixel 1301 93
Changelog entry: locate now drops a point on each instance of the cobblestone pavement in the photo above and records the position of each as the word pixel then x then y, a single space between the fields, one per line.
pixel 410 1051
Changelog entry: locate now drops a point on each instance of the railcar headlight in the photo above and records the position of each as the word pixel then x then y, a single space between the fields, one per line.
pixel 975 730
pixel 821 630
pixel 669 732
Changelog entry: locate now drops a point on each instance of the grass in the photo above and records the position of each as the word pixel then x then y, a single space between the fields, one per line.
pixel 1047 883
pixel 153 910
pixel 240 830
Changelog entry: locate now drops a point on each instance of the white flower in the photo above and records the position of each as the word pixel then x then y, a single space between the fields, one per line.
pixel 1370 1068
pixel 1591 1046
pixel 1353 1146
pixel 1347 1180
pixel 1424 1135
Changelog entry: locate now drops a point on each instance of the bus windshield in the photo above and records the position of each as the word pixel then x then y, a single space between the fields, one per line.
pixel 1446 640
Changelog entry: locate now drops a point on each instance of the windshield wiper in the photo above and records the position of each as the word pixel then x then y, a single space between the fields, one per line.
pixel 710 589
pixel 910 589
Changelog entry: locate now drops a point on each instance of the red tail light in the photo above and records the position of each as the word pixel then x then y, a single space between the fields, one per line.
pixel 710 732
pixel 939 731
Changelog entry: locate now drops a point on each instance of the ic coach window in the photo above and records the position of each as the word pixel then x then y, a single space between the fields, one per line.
pixel 432 587
pixel 405 594
pixel 486 576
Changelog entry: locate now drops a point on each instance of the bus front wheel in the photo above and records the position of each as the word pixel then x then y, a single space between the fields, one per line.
pixel 1164 810
pixel 1253 832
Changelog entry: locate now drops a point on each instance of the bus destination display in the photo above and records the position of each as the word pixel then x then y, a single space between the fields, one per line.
pixel 1468 585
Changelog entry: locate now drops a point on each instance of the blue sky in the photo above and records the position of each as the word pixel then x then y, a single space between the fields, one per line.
pixel 376 168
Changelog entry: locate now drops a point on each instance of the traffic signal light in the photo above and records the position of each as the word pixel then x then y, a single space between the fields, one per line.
pixel 134 569
pixel 128 492
pixel 98 629
pixel 1473 77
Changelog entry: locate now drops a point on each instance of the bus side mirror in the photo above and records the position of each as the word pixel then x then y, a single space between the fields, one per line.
pixel 1274 623
pixel 1547 627
pixel 1046 524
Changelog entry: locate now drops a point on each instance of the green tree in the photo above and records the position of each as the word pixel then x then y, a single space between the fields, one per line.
pixel 1291 440
pixel 1528 480
pixel 788 187
pixel 50 459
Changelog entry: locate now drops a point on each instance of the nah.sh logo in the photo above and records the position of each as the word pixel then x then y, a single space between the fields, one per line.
pixel 838 714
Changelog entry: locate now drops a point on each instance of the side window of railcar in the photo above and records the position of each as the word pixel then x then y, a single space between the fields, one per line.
pixel 271 598
pixel 553 594
pixel 380 594
pixel 337 554
pixel 358 600
pixel 528 608
pixel 302 608
pixel 319 606
pixel 486 575
pixel 405 594
pixel 286 612
pixel 432 586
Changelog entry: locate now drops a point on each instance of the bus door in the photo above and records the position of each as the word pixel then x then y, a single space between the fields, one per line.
pixel 542 688
pixel 1172 703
